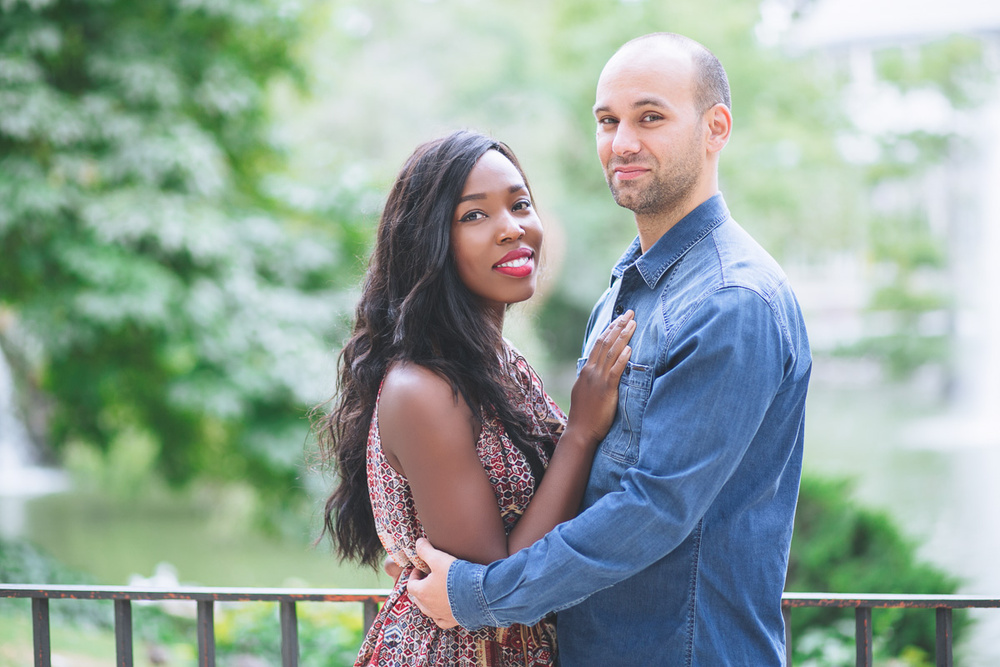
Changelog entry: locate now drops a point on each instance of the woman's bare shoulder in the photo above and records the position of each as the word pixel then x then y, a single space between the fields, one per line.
pixel 415 397
pixel 407 383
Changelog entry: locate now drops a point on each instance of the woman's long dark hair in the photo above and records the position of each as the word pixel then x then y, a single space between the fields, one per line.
pixel 413 307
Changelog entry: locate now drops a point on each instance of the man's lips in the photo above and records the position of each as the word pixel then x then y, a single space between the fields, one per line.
pixel 628 172
pixel 517 263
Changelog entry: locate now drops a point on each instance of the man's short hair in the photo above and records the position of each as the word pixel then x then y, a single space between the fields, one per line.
pixel 711 82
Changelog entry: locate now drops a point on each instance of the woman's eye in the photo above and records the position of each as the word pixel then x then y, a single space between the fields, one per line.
pixel 522 205
pixel 472 215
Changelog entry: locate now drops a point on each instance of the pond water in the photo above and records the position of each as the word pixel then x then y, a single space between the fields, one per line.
pixel 931 470
pixel 114 541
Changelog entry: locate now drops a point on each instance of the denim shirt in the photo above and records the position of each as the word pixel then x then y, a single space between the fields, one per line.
pixel 680 552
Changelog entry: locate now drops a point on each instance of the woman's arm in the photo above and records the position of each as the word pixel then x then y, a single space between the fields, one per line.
pixel 429 435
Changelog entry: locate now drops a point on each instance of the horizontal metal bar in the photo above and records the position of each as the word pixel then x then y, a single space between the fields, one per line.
pixel 198 593
pixel 378 595
pixel 887 601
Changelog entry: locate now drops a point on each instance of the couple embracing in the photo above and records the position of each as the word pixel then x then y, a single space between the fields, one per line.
pixel 650 526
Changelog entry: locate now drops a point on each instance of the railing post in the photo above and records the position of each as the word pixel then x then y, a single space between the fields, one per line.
pixel 786 615
pixel 863 635
pixel 289 634
pixel 40 630
pixel 206 633
pixel 371 611
pixel 942 644
pixel 123 633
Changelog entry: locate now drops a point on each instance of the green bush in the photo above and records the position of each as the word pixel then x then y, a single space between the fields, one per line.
pixel 840 547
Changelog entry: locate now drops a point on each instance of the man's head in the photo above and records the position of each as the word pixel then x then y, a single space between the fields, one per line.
pixel 662 113
pixel 711 82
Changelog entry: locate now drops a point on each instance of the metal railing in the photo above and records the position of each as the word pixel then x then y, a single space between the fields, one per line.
pixel 863 605
pixel 287 598
pixel 205 598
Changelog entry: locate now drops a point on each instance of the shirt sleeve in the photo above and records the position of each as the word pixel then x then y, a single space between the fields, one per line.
pixel 725 365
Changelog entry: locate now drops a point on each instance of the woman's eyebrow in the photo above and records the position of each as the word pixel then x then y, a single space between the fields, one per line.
pixel 481 195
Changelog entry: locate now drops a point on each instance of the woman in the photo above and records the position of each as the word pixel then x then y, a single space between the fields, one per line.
pixel 441 428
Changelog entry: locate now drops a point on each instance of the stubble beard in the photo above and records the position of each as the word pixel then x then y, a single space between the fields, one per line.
pixel 668 191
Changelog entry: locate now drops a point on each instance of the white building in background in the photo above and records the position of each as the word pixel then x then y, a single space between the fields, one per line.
pixel 962 199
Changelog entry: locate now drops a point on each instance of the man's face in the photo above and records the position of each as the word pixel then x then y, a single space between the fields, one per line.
pixel 650 135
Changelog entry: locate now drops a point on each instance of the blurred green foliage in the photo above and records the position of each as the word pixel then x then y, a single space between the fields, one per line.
pixel 157 285
pixel 907 238
pixel 840 547
pixel 188 190
pixel 396 73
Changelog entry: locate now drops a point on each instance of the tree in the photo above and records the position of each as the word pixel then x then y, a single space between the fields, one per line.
pixel 159 283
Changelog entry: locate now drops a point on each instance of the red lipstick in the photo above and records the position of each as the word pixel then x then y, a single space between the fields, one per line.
pixel 518 263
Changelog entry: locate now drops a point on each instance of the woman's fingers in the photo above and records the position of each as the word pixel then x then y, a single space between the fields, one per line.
pixel 612 343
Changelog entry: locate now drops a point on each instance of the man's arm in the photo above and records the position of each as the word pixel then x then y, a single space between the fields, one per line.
pixel 701 415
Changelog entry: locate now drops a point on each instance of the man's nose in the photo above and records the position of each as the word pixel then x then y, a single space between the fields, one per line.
pixel 626 140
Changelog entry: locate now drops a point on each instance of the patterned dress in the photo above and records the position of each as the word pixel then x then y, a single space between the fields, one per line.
pixel 402 634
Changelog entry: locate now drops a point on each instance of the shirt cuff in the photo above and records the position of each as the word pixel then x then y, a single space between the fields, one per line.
pixel 466 597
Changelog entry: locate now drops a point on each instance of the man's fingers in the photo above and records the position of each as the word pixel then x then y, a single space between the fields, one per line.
pixel 436 560
pixel 429 590
pixel 417 590
pixel 424 549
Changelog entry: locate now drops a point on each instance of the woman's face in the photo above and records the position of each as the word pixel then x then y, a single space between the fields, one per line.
pixel 495 234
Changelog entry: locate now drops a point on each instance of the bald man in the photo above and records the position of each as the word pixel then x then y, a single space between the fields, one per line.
pixel 679 554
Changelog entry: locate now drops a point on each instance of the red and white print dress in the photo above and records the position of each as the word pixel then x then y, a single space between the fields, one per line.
pixel 402 634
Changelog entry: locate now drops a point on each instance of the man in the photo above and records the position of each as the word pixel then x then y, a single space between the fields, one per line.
pixel 680 553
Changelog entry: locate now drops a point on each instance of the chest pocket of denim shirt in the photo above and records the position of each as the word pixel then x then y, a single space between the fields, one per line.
pixel 622 441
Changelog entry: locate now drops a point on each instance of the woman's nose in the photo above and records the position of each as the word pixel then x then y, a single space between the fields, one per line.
pixel 510 229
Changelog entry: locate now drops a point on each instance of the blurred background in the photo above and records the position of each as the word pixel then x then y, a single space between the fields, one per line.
pixel 189 190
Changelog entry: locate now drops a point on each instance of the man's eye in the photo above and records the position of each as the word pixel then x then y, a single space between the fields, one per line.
pixel 651 117
pixel 607 121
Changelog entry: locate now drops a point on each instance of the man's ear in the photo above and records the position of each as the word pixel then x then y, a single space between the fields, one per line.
pixel 719 124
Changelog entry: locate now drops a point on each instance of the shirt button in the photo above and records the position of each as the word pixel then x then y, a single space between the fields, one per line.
pixel 619 309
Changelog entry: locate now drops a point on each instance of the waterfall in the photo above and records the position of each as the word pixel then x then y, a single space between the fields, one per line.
pixel 20 473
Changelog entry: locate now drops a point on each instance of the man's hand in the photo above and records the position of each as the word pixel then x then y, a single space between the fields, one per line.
pixel 430 591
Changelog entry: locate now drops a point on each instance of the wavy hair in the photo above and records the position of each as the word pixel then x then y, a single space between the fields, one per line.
pixel 415 308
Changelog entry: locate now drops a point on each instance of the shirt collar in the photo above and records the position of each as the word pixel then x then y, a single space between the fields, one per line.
pixel 670 247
